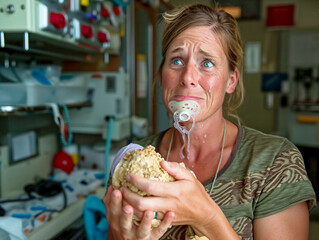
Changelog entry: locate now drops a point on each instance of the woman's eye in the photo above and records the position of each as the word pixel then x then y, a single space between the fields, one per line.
pixel 177 61
pixel 208 64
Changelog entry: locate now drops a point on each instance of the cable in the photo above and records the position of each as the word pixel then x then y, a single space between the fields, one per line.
pixel 107 148
pixel 39 188
pixel 18 200
pixel 65 204
pixel 69 140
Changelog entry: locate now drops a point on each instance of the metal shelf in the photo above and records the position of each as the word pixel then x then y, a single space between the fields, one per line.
pixel 18 44
pixel 22 110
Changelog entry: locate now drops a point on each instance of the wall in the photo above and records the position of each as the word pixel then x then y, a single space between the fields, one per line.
pixel 253 112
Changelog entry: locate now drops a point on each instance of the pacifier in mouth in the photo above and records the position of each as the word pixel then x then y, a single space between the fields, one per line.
pixel 184 109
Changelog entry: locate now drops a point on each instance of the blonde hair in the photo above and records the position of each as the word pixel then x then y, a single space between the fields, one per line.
pixel 225 27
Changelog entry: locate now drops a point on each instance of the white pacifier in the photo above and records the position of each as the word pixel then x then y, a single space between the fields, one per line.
pixel 182 112
pixel 184 109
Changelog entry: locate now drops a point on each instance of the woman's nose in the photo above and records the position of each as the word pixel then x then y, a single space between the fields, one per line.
pixel 190 76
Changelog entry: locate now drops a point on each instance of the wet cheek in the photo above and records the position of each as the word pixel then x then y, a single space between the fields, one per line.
pixel 167 86
pixel 207 85
pixel 168 80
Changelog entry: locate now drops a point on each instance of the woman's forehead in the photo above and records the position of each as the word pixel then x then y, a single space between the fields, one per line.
pixel 201 38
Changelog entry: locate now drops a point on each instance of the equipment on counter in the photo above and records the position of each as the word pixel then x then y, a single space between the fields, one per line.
pixel 110 98
pixel 43 198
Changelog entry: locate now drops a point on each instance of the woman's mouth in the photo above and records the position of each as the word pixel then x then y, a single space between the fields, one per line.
pixel 183 98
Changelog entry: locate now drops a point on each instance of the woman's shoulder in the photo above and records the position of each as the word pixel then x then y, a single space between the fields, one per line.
pixel 255 138
pixel 259 150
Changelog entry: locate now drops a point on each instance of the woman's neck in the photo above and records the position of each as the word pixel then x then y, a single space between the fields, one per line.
pixel 205 137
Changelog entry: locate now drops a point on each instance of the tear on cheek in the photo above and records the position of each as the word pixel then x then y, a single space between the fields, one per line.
pixel 206 85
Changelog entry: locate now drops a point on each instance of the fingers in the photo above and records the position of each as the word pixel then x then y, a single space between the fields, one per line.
pixel 165 224
pixel 142 204
pixel 107 197
pixel 139 214
pixel 144 229
pixel 112 201
pixel 126 221
pixel 156 188
pixel 116 202
pixel 177 171
pixel 152 187
pixel 120 217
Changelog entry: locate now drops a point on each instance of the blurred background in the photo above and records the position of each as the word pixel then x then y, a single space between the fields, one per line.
pixel 76 85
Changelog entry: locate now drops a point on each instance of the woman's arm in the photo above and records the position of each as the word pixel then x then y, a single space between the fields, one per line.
pixel 292 223
pixel 186 197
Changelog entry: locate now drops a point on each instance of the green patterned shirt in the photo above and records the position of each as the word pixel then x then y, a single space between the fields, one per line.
pixel 264 175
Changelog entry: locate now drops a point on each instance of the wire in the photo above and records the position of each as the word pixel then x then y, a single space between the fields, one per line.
pixel 18 200
pixel 65 204
pixel 107 149
pixel 69 140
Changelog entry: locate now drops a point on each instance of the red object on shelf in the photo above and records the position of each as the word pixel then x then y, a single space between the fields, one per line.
pixel 116 10
pixel 57 20
pixel 87 31
pixel 281 16
pixel 102 37
pixel 105 13
pixel 63 161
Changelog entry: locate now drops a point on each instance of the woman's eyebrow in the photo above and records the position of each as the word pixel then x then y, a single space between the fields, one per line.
pixel 206 54
pixel 177 49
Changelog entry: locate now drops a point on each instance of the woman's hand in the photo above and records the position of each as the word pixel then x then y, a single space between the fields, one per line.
pixel 186 197
pixel 120 218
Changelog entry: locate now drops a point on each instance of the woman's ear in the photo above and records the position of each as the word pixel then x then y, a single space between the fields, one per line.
pixel 232 81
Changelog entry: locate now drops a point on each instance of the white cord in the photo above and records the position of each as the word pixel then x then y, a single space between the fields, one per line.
pixel 220 158
pixel 170 145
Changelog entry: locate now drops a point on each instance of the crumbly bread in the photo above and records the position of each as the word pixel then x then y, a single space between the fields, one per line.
pixel 142 162
pixel 145 163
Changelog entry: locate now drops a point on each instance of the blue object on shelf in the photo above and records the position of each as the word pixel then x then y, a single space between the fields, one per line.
pixel 40 77
pixel 96 228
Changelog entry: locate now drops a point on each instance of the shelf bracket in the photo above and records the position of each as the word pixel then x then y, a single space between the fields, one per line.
pixel 2 40
pixel 26 41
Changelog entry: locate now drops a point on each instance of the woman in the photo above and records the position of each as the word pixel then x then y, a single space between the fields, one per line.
pixel 249 185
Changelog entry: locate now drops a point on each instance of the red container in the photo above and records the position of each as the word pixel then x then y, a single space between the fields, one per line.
pixel 281 16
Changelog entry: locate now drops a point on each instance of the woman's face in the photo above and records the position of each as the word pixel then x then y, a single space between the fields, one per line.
pixel 196 69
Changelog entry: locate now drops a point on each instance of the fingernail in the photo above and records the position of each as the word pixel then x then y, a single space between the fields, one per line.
pixel 126 211
pixel 165 163
pixel 172 216
pixel 149 215
pixel 128 178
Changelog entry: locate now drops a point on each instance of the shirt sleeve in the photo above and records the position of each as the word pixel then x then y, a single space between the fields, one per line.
pixel 286 184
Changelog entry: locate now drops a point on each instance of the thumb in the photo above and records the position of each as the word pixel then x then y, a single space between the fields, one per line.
pixel 178 171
